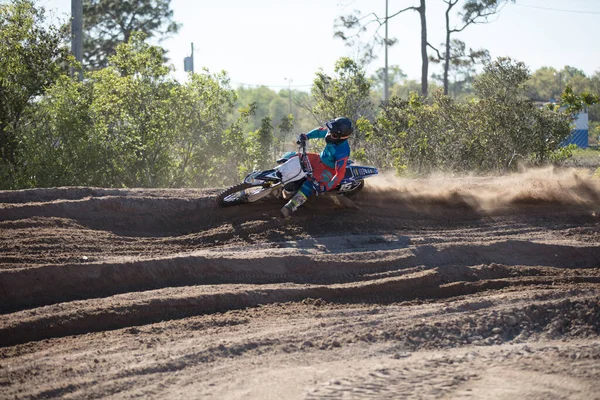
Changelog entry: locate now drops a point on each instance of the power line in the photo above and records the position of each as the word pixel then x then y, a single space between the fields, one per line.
pixel 558 9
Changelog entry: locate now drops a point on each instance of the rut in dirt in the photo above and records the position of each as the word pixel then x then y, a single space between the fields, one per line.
pixel 78 260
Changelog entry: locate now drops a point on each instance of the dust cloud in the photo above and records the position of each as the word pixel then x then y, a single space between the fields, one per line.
pixel 543 187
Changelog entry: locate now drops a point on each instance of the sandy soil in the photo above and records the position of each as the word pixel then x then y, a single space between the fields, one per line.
pixel 451 287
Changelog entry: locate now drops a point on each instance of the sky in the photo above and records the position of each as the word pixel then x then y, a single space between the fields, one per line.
pixel 283 43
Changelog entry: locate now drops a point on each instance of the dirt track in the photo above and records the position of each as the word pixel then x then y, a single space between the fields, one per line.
pixel 449 287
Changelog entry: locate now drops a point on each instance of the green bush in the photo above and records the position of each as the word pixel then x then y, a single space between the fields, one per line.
pixel 32 57
pixel 494 132
pixel 131 125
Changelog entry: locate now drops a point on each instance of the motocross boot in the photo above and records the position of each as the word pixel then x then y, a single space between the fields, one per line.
pixel 292 205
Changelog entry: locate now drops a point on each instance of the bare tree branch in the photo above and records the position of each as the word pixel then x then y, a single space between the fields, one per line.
pixel 440 58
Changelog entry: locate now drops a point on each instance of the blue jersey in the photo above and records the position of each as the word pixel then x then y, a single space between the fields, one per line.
pixel 334 156
pixel 332 153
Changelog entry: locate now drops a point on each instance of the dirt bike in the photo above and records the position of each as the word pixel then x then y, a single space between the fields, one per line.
pixel 292 171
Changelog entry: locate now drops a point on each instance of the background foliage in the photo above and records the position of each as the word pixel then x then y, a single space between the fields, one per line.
pixel 131 124
pixel 112 22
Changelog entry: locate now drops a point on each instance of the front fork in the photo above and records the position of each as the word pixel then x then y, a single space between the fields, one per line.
pixel 263 193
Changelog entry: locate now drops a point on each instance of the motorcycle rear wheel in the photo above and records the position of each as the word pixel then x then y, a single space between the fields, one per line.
pixel 355 190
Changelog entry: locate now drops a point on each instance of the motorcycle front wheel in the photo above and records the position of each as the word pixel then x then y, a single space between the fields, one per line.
pixel 239 194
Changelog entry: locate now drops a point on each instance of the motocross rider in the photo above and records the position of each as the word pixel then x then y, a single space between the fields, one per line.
pixel 329 167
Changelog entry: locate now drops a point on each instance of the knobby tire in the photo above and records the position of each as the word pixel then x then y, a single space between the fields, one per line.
pixel 222 197
pixel 355 190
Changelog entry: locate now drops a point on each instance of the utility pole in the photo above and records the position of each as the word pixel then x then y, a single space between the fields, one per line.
pixel 188 62
pixel 385 70
pixel 77 34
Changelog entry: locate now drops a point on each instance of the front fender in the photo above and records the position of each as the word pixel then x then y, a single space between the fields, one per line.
pixel 261 177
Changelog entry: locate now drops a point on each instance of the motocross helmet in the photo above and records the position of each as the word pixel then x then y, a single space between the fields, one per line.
pixel 340 129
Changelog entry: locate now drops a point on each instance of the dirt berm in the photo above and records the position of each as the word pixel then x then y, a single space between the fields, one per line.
pixel 454 287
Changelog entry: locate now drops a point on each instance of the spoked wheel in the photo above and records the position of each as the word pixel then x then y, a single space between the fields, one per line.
pixel 238 194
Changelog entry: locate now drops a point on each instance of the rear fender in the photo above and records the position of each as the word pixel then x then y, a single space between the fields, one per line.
pixel 360 172
pixel 355 174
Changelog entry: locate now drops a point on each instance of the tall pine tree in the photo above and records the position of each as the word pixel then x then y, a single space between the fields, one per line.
pixel 110 22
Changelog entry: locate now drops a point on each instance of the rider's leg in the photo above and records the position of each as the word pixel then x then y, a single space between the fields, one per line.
pixel 299 198
pixel 321 173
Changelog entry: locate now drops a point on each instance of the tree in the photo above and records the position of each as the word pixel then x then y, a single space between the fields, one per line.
pixel 595 88
pixel 516 129
pixel 496 131
pixel 285 127
pixel 568 73
pixel 345 94
pixel 544 84
pixel 407 87
pixel 395 76
pixel 110 22
pixel 60 145
pixel 260 145
pixel 143 117
pixel 32 59
pixel 350 27
pixel 473 12
pixel 268 104
pixel 116 128
pixel 132 125
pixel 276 105
pixel 573 103
pixel 205 105
pixel 424 57
pixel 234 161
pixel 462 67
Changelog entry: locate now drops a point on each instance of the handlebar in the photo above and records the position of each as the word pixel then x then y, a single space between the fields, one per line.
pixel 301 142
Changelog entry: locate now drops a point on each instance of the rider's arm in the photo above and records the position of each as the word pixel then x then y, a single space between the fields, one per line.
pixel 317 133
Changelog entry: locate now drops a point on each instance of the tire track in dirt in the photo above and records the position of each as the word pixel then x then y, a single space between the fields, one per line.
pixel 474 321
pixel 467 376
pixel 35 287
pixel 403 242
pixel 116 312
